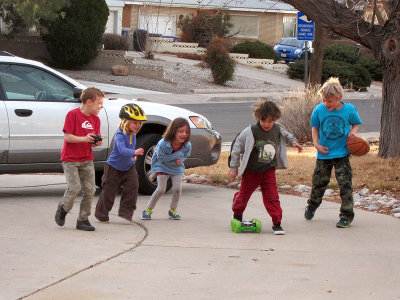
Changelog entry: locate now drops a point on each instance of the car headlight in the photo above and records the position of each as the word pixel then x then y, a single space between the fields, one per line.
pixel 275 47
pixel 297 51
pixel 201 122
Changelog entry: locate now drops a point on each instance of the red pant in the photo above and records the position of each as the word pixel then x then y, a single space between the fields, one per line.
pixel 267 181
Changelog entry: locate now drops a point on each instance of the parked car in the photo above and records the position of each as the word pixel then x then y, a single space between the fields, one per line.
pixel 34 100
pixel 291 49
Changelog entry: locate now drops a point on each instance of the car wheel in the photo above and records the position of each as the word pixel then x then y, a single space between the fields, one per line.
pixel 147 178
pixel 97 177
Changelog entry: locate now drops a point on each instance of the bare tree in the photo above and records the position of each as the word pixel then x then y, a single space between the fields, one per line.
pixel 375 25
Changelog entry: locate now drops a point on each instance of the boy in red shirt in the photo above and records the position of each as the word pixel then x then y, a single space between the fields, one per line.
pixel 81 126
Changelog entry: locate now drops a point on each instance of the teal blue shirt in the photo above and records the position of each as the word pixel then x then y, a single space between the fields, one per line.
pixel 333 128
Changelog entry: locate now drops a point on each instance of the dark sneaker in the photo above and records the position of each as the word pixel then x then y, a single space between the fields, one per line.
pixel 84 225
pixel 278 230
pixel 343 223
pixel 309 212
pixel 60 215
pixel 238 217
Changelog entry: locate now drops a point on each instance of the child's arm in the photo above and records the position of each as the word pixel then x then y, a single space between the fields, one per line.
pixel 354 130
pixel 163 155
pixel 237 149
pixel 315 136
pixel 70 138
pixel 290 139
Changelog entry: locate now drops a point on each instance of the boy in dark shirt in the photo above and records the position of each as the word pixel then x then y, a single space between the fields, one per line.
pixel 263 149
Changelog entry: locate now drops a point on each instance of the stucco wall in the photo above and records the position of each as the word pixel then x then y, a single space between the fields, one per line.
pixel 270 24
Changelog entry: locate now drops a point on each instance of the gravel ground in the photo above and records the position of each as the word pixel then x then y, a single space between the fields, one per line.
pixel 179 79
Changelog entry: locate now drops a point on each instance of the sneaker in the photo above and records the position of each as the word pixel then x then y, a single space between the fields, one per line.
pixel 84 225
pixel 173 215
pixel 343 223
pixel 278 230
pixel 60 215
pixel 309 212
pixel 146 214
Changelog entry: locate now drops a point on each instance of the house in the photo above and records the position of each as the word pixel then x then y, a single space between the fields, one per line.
pixel 263 20
pixel 114 22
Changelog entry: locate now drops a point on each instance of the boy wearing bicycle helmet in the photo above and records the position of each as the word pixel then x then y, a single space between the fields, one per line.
pixel 120 167
pixel 262 149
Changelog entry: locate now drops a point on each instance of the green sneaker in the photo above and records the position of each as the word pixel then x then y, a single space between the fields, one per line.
pixel 173 215
pixel 343 223
pixel 146 214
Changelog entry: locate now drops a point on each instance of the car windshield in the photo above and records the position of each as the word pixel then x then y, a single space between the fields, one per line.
pixel 292 42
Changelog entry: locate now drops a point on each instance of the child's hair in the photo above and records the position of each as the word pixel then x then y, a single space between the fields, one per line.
pixel 264 109
pixel 123 125
pixel 173 127
pixel 331 87
pixel 91 93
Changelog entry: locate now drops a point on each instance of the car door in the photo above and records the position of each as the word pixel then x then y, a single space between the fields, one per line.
pixel 3 133
pixel 37 102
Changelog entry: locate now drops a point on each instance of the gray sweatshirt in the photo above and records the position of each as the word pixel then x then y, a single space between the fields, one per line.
pixel 244 144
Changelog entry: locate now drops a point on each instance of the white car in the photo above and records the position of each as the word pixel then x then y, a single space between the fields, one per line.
pixel 34 100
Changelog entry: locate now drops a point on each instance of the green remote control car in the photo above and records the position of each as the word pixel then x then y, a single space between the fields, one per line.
pixel 246 226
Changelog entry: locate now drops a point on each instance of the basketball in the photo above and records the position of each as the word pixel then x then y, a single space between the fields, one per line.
pixel 357 146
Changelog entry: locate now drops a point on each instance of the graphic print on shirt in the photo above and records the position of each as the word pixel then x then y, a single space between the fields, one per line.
pixel 333 127
pixel 87 125
pixel 266 151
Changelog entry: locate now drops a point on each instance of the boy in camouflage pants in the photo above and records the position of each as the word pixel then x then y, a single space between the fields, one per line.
pixel 332 122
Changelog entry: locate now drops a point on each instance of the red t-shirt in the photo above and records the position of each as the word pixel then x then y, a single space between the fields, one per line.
pixel 79 124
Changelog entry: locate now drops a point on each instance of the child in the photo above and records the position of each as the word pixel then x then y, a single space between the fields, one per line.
pixel 120 167
pixel 263 149
pixel 331 122
pixel 80 127
pixel 167 162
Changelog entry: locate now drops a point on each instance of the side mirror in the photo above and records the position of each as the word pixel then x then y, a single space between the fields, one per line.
pixel 77 92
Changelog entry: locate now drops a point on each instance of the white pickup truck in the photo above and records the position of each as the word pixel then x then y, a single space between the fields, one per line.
pixel 34 100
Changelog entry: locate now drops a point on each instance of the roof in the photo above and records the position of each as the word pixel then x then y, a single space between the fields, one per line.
pixel 238 5
pixel 115 3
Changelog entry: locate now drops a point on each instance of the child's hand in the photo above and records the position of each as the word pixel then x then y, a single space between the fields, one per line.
pixel 178 162
pixel 298 147
pixel 351 134
pixel 233 174
pixel 99 143
pixel 139 151
pixel 322 149
pixel 89 138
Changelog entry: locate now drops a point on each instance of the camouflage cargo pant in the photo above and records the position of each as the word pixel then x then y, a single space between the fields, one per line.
pixel 321 178
pixel 80 177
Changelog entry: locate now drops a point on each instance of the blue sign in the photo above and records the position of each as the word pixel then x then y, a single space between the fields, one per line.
pixel 305 28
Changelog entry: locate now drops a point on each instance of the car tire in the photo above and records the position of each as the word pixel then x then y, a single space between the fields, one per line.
pixel 147 178
pixel 97 178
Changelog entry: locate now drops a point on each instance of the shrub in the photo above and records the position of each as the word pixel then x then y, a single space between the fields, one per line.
pixel 73 40
pixel 372 65
pixel 296 112
pixel 115 42
pixel 341 52
pixel 203 26
pixel 218 60
pixel 256 49
pixel 350 76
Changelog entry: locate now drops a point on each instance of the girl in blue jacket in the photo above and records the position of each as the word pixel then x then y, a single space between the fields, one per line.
pixel 120 168
pixel 167 162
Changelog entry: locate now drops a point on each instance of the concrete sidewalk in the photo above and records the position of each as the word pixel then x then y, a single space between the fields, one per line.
pixel 198 257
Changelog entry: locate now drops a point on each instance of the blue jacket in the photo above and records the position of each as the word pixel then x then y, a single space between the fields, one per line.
pixel 164 159
pixel 121 157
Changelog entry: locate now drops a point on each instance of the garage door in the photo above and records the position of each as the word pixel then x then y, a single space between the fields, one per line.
pixel 110 26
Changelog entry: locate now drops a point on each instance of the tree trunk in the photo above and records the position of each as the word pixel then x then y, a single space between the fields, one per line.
pixel 317 56
pixel 389 143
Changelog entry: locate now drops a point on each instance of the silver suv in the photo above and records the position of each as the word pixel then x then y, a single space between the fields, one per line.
pixel 34 100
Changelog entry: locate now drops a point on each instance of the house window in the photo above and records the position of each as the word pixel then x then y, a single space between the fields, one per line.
pixel 245 26
pixel 289 27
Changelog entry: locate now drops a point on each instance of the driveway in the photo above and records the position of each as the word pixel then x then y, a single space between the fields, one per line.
pixel 198 257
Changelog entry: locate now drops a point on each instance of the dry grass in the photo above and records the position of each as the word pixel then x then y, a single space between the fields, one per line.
pixel 368 171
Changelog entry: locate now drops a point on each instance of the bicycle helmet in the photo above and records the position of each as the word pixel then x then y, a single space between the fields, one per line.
pixel 132 111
